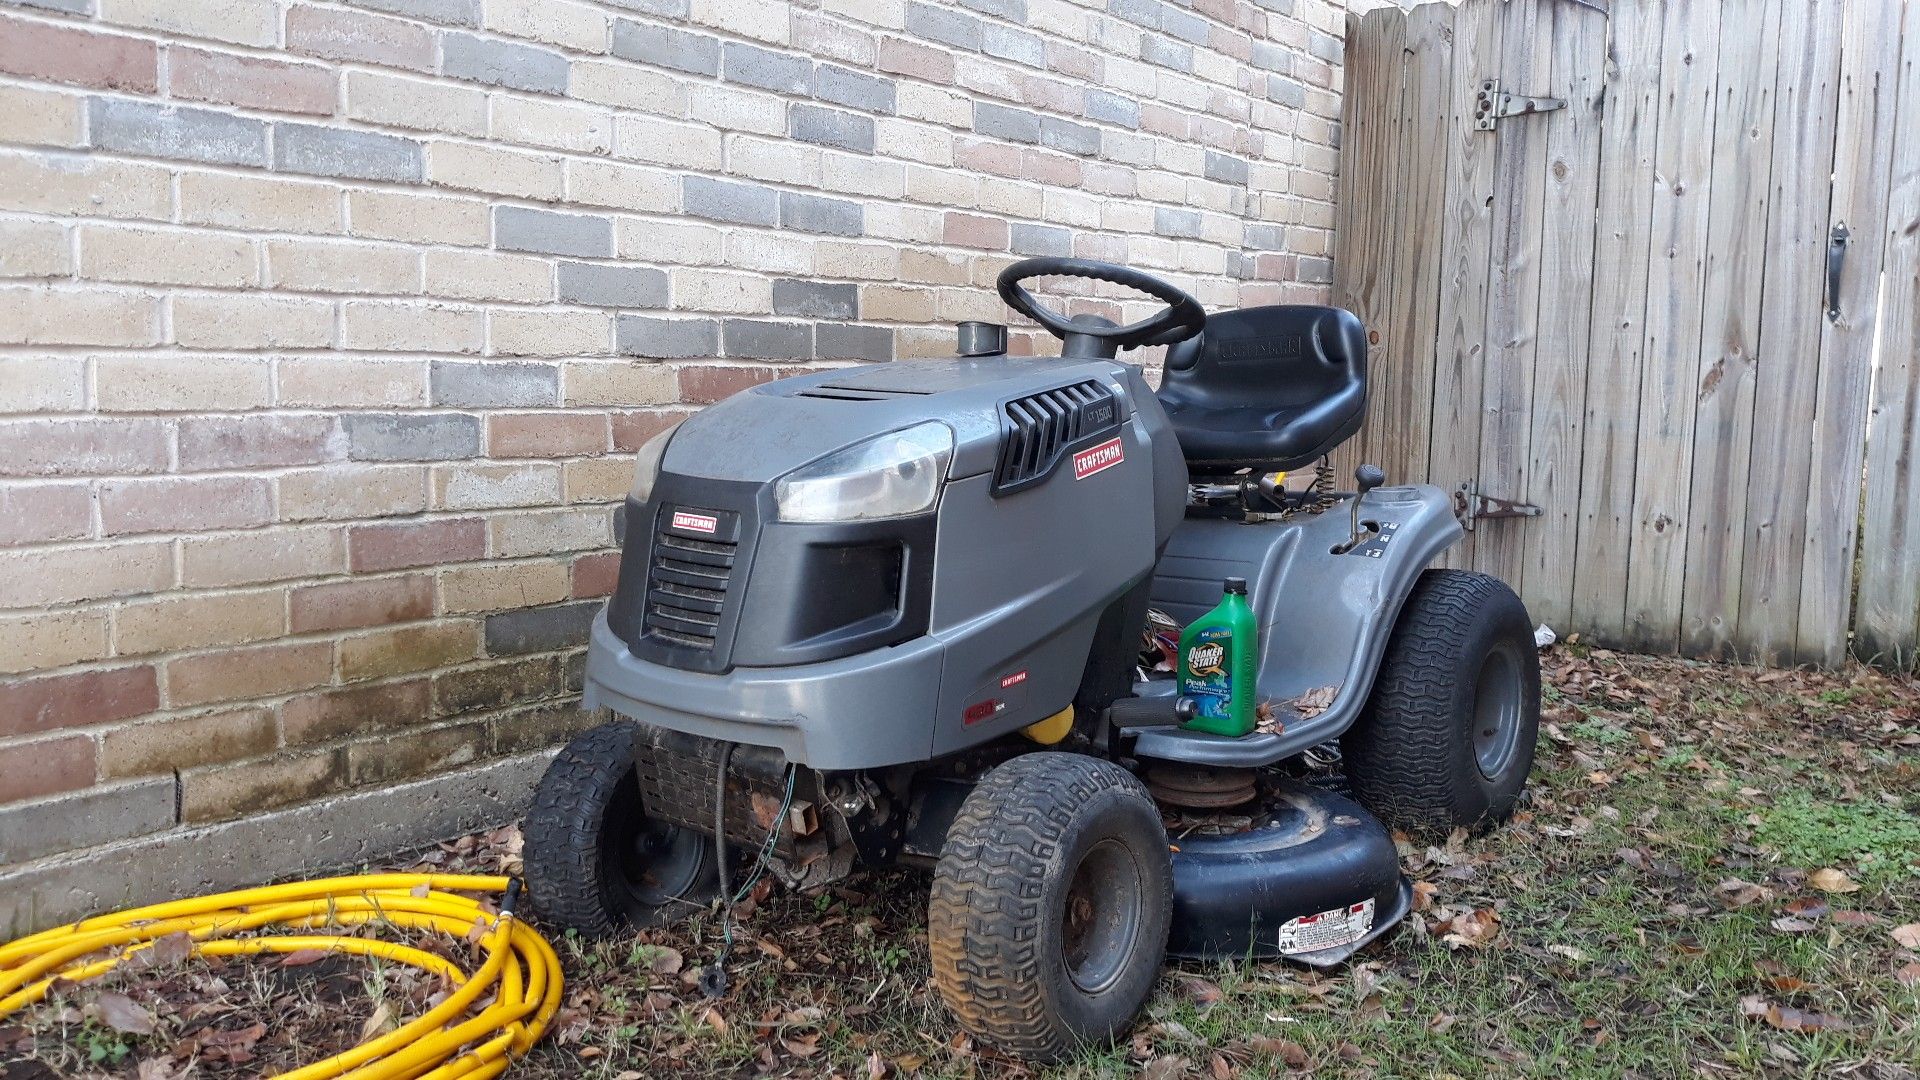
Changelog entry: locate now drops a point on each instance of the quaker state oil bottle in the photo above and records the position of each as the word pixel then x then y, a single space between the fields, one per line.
pixel 1218 656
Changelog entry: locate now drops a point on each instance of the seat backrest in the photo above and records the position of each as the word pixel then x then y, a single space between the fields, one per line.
pixel 1283 356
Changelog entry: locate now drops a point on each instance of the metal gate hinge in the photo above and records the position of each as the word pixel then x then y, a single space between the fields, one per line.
pixel 1470 506
pixel 1493 103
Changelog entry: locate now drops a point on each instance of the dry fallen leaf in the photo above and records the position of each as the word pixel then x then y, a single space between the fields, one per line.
pixel 377 1023
pixel 1201 992
pixel 1833 881
pixel 1473 929
pixel 1908 935
pixel 1167 1067
pixel 302 957
pixel 119 1012
pixel 1286 1050
pixel 1909 975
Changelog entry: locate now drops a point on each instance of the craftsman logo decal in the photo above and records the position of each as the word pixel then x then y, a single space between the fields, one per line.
pixel 1328 930
pixel 1104 456
pixel 1014 679
pixel 700 523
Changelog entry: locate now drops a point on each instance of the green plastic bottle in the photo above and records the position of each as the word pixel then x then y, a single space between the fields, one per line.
pixel 1218 656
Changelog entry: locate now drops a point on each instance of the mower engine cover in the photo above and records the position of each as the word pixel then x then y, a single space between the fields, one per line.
pixel 822 562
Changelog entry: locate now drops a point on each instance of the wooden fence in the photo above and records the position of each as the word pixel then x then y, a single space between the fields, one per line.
pixel 1677 312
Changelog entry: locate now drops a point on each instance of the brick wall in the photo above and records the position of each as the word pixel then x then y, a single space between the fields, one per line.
pixel 328 330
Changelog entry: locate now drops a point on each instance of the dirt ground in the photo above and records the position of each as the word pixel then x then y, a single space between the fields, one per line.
pixel 1714 874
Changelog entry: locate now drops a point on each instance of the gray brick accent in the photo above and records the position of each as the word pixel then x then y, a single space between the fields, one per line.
pixel 449 12
pixel 1016 125
pixel 1265 237
pixel 1180 223
pixel 815 299
pixel 536 630
pixel 753 66
pixel 1041 240
pixel 612 286
pixel 831 127
pixel 357 155
pixel 1287 91
pixel 70 7
pixel 944 25
pixel 762 339
pixel 1166 53
pixel 64 823
pixel 814 214
pixel 1112 108
pixel 500 63
pixel 727 200
pixel 1067 136
pixel 1139 12
pixel 854 89
pixel 168 131
pixel 1323 46
pixel 1185 25
pixel 680 50
pixel 474 384
pixel 1013 10
pixel 1017 45
pixel 411 436
pixel 1316 270
pixel 550 232
pixel 841 341
pixel 1271 57
pixel 666 339
pixel 1226 168
pixel 1284 7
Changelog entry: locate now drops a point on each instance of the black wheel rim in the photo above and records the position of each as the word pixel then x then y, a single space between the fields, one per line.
pixel 1497 694
pixel 1100 921
pixel 648 863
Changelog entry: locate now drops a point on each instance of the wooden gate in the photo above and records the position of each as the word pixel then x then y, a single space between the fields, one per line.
pixel 1652 270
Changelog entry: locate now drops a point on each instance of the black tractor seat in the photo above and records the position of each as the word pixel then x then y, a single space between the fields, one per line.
pixel 1268 388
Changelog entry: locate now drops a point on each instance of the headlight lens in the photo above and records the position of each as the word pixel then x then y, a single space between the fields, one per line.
pixel 646 465
pixel 890 476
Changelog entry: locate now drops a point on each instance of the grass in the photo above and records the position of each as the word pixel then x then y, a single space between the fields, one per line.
pixel 1656 902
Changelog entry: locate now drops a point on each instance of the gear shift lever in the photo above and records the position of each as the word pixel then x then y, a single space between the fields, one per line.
pixel 1365 479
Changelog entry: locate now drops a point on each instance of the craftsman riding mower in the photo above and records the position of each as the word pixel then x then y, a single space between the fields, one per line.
pixel 903 613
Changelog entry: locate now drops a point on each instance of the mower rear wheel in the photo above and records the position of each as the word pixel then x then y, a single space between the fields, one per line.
pixel 595 863
pixel 1447 737
pixel 1051 904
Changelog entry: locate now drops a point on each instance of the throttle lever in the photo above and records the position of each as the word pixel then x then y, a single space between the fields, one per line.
pixel 1365 479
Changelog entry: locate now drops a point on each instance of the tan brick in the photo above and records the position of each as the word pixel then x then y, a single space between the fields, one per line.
pixel 34 249
pixel 629 87
pixel 418 753
pixel 37 117
pixel 355 35
pixel 771 253
pixel 497 172
pixel 862 262
pixel 356 710
pixel 250 82
pixel 403 649
pixel 361 602
pixel 482 687
pixel 185 741
pixel 623 383
pixel 217 792
pixel 32 706
pixel 83 447
pixel 722 291
pixel 47 576
pixel 68 54
pixel 43 384
pixel 599 479
pixel 268 204
pixel 628 187
pixel 244 674
pixel 571 26
pixel 485 486
pixel 676 243
pixel 342 267
pixel 488 275
pixel 502 586
pixel 243 22
pixel 387 326
pixel 46 767
pixel 172 623
pixel 51 639
pixel 552 125
pixel 546 724
pixel 765 20
pixel 96 187
pixel 405 544
pixel 37 513
pixel 182 383
pixel 681 146
pixel 890 303
pixel 251 558
pixel 152 256
pixel 550 333
pixel 345 382
pixel 543 532
pixel 417 104
pixel 546 434
pixel 251 321
pixel 35 315
pixel 595 575
pixel 341 492
pixel 425 219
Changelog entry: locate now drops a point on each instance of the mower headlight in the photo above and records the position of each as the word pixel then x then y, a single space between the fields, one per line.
pixel 646 464
pixel 889 476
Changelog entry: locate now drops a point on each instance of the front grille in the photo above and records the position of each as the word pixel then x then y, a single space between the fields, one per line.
pixel 1041 426
pixel 687 588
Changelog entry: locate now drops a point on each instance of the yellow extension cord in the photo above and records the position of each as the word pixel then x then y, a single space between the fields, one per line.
pixel 521 972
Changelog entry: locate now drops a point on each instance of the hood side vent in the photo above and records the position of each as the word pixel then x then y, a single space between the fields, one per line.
pixel 1037 430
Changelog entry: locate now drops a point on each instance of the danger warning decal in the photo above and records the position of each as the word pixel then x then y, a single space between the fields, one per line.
pixel 1327 930
pixel 700 523
pixel 1092 460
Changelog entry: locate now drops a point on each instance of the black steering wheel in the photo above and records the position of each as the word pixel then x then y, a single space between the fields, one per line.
pixel 1092 336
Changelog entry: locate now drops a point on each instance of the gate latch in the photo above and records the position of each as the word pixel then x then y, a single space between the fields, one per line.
pixel 1470 506
pixel 1493 103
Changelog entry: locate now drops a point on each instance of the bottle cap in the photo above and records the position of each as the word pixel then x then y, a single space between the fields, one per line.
pixel 1237 586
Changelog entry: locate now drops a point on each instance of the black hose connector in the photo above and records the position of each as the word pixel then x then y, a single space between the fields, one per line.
pixel 512 899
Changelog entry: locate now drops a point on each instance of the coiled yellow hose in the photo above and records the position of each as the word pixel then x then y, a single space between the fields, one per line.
pixel 453 1039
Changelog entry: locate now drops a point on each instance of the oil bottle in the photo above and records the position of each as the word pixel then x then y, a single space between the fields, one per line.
pixel 1218 657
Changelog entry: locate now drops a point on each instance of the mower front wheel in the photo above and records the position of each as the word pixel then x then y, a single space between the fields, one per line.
pixel 1051 904
pixel 595 863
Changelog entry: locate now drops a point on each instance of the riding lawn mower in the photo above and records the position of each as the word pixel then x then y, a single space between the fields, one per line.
pixel 895 614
